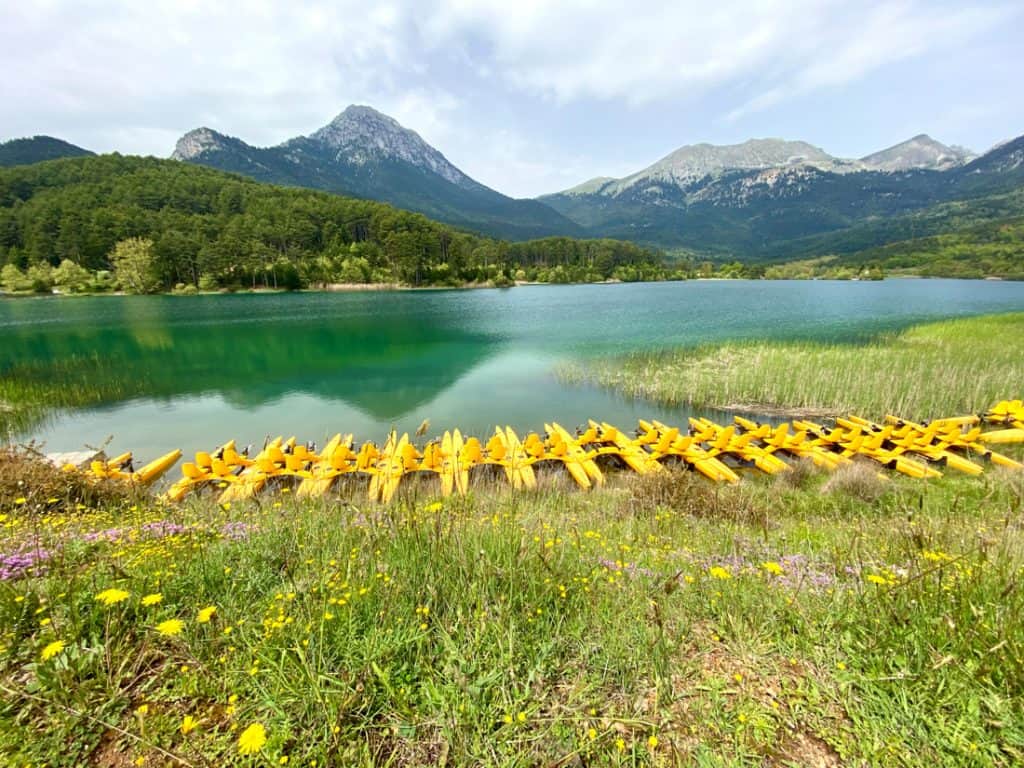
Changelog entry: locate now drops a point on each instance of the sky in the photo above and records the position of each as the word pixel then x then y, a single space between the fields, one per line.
pixel 528 97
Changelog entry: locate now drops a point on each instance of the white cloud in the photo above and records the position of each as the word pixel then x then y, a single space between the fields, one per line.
pixel 260 69
pixel 850 47
pixel 646 51
pixel 131 76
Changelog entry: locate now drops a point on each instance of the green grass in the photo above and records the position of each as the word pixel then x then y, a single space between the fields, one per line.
pixel 554 628
pixel 30 393
pixel 939 369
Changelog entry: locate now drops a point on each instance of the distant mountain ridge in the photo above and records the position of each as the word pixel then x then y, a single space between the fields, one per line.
pixel 922 151
pixel 760 199
pixel 365 153
pixel 36 149
pixel 750 200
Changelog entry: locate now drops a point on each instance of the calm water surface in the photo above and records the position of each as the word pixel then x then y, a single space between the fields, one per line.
pixel 163 372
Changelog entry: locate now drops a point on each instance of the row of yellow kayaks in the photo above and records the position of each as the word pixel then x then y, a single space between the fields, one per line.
pixel 717 452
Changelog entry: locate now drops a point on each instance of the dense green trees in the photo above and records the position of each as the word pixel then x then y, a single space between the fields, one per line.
pixel 134 265
pixel 992 249
pixel 158 224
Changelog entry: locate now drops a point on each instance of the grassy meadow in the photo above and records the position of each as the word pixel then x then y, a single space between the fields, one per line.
pixel 927 371
pixel 807 620
pixel 798 620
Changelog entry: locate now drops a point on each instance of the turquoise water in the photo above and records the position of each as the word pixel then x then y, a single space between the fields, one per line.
pixel 191 372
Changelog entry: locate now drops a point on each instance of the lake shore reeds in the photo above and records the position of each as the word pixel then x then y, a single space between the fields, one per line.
pixel 927 371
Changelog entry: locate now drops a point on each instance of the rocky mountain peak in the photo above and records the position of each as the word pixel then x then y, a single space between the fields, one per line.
pixel 361 134
pixel 921 151
pixel 753 154
pixel 196 142
pixel 693 162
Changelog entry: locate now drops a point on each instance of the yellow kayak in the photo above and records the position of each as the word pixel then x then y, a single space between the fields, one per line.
pixel 449 464
pixel 322 471
pixel 520 464
pixel 636 458
pixel 253 478
pixel 156 469
pixel 585 457
pixel 558 449
pixel 393 469
pixel 195 476
pixel 460 467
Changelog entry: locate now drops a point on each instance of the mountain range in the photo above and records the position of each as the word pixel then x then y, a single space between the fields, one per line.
pixel 754 199
pixel 762 199
pixel 363 153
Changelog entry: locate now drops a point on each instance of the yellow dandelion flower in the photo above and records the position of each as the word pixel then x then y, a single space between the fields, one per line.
pixel 652 741
pixel 20 500
pixel 620 744
pixel 206 614
pixel 874 578
pixel 252 739
pixel 170 627
pixel 142 709
pixel 592 733
pixel 112 596
pixel 188 724
pixel 51 650
pixel 437 506
pixel 718 572
pixel 773 568
pixel 521 717
pixel 154 599
pixel 506 719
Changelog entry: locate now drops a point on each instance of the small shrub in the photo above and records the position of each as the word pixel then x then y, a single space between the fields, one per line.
pixel 689 493
pixel 801 474
pixel 30 483
pixel 857 479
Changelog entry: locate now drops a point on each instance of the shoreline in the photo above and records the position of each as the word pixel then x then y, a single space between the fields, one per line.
pixel 403 288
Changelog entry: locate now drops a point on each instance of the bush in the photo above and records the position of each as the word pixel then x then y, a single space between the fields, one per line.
pixel 40 278
pixel 72 278
pixel 858 479
pixel 30 483
pixel 14 280
pixel 687 492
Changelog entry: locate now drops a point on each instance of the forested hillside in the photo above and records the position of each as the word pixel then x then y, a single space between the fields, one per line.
pixel 946 218
pixel 37 149
pixel 990 249
pixel 175 224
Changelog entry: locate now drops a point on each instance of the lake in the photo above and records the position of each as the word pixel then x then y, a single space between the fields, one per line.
pixel 192 372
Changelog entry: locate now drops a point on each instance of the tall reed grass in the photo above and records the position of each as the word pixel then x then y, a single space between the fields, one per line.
pixel 937 369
